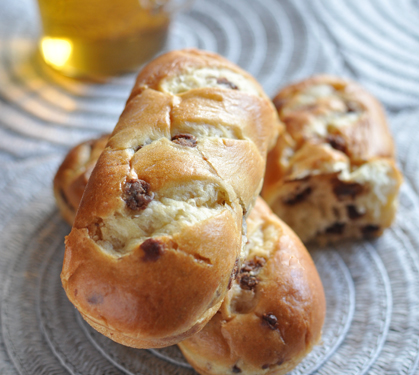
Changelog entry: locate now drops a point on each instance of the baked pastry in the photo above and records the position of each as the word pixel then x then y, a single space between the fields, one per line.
pixel 159 228
pixel 272 316
pixel 73 174
pixel 265 280
pixel 332 175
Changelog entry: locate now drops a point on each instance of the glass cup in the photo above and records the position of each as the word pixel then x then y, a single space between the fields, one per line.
pixel 95 39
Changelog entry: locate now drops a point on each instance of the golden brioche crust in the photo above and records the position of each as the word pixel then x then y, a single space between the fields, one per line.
pixel 171 65
pixel 74 172
pixel 367 137
pixel 273 315
pixel 159 228
pixel 77 166
pixel 211 344
pixel 332 174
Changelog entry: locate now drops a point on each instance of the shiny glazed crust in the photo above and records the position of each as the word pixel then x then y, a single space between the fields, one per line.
pixel 272 316
pixel 159 229
pixel 332 174
pixel 73 174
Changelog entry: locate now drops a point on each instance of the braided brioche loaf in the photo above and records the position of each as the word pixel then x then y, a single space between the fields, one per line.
pixel 272 316
pixel 159 228
pixel 273 300
pixel 332 174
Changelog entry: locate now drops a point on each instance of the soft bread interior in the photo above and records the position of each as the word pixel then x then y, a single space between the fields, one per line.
pixel 165 215
pixel 207 77
pixel 273 314
pixel 313 207
pixel 262 238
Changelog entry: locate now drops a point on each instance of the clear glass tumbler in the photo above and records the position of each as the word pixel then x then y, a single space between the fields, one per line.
pixel 94 39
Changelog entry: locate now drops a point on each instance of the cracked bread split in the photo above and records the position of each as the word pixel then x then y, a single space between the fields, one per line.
pixel 159 228
pixel 272 316
pixel 332 175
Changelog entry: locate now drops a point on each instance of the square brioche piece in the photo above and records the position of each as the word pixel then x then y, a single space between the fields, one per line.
pixel 159 228
pixel 332 175
pixel 272 316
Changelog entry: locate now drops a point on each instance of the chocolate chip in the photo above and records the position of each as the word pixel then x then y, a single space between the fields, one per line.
pixel 236 370
pixel 253 264
pixel 187 140
pixel 344 190
pixel 153 250
pixel 299 197
pixel 353 213
pixel 336 228
pixel 270 320
pixel 248 281
pixel 337 142
pixel 351 107
pixel 370 230
pixel 137 194
pixel 95 299
pixel 302 178
pixel 279 103
pixel 225 82
pixel 264 367
pixel 259 261
pixel 280 362
pixel 247 267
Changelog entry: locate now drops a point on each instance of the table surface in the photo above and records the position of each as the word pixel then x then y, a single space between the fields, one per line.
pixel 372 288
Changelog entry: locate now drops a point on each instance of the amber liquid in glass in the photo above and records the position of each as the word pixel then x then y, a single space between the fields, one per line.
pixel 100 38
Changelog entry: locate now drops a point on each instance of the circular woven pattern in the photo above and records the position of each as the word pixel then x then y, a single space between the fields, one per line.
pixel 372 288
